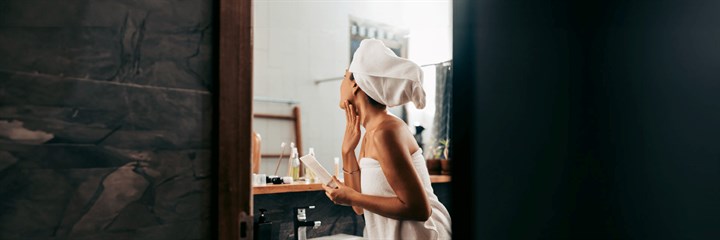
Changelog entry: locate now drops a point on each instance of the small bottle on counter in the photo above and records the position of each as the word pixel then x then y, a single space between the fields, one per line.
pixel 291 158
pixel 295 165
pixel 287 180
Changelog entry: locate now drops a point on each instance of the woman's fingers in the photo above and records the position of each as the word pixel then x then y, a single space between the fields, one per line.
pixel 351 114
pixel 338 182
pixel 352 111
pixel 347 113
pixel 328 193
pixel 357 122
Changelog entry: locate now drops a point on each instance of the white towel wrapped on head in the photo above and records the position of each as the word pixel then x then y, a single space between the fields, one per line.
pixel 385 77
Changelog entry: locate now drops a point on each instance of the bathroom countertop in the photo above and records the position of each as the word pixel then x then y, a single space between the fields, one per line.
pixel 440 178
pixel 304 187
pixel 284 188
pixel 338 237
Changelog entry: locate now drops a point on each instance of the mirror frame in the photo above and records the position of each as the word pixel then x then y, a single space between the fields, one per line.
pixel 234 120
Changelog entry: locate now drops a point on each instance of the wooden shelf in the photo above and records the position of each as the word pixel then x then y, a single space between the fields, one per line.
pixel 439 178
pixel 307 187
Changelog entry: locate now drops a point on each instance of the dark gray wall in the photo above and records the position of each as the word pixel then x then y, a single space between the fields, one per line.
pixel 105 119
pixel 586 119
pixel 335 219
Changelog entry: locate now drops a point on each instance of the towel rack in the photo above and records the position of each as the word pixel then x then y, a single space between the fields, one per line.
pixel 295 118
pixel 276 100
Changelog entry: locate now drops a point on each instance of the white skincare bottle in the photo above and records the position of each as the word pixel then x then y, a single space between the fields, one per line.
pixel 295 168
pixel 291 158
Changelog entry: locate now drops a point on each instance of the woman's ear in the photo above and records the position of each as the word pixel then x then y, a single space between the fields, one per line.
pixel 356 88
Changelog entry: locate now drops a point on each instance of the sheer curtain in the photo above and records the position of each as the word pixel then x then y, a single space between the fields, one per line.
pixel 443 103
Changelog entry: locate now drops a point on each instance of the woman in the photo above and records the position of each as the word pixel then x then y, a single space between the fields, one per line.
pixel 389 183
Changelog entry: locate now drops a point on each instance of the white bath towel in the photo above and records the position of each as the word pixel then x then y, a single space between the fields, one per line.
pixel 385 77
pixel 373 182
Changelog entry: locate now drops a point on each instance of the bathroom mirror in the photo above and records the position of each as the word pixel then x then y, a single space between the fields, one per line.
pixel 300 52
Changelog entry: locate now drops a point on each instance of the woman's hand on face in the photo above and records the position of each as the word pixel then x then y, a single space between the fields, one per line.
pixel 341 195
pixel 352 129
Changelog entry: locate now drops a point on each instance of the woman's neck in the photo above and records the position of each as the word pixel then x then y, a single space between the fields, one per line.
pixel 370 116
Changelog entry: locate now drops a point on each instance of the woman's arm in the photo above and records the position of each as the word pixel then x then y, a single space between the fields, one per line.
pixel 351 169
pixel 410 202
pixel 352 176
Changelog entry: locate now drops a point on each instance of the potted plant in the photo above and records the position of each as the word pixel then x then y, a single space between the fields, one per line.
pixel 445 161
pixel 439 158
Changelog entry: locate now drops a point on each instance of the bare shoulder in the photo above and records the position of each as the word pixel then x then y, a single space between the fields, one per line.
pixel 394 133
pixel 391 128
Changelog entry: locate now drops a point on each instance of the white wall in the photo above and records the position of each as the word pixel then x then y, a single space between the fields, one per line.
pixel 299 41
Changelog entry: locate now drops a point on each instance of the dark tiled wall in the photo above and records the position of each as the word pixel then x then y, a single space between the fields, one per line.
pixel 105 119
pixel 335 219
